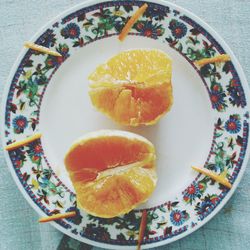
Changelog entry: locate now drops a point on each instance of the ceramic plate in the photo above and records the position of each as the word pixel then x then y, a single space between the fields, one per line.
pixel 208 125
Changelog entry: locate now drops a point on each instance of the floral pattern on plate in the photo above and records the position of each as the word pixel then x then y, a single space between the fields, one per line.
pixel 193 42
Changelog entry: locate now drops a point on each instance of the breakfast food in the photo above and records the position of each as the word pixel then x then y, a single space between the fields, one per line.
pixel 134 87
pixel 112 172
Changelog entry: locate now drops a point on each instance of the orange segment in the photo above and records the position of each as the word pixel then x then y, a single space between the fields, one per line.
pixel 133 87
pixel 134 66
pixel 116 194
pixel 112 172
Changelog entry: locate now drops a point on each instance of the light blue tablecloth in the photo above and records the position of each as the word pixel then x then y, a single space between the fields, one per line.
pixel 19 20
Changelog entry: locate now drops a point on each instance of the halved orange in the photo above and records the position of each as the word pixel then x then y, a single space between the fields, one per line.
pixel 112 172
pixel 133 87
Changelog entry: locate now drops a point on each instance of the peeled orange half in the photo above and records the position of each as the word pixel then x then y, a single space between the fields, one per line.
pixel 133 87
pixel 112 172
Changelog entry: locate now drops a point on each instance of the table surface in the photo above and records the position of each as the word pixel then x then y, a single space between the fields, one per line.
pixel 19 20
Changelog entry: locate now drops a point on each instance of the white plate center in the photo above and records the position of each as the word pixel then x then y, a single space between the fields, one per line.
pixel 182 138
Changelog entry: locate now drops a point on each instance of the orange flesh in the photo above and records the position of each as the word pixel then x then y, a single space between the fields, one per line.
pixel 131 102
pixel 133 87
pixel 111 174
pixel 102 153
pixel 117 195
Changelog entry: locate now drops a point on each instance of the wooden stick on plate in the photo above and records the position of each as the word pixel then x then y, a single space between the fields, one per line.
pixel 142 229
pixel 132 21
pixel 40 48
pixel 215 59
pixel 57 217
pixel 219 178
pixel 23 142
